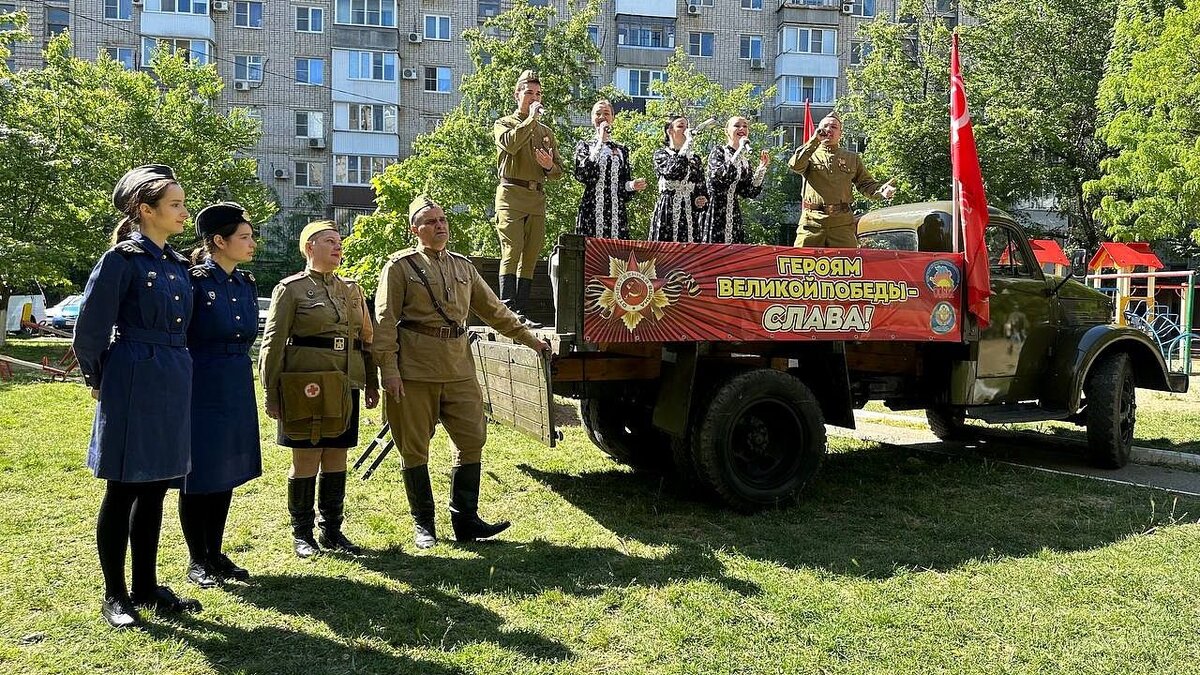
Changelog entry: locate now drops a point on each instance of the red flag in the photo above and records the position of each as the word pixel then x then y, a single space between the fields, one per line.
pixel 970 202
pixel 809 129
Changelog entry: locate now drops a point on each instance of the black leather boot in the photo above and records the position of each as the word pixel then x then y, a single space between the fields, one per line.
pixel 331 501
pixel 420 503
pixel 464 506
pixel 508 289
pixel 521 304
pixel 302 492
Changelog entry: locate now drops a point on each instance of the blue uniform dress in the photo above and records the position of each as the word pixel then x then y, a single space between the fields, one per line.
pixel 142 430
pixel 225 443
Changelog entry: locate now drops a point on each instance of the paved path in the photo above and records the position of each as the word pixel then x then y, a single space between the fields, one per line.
pixel 1034 451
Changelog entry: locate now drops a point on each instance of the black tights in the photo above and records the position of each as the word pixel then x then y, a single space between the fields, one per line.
pixel 130 512
pixel 202 517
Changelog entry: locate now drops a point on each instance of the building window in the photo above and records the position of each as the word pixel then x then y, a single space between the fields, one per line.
pixel 644 34
pixel 119 10
pixel 437 27
pixel 310 124
pixel 799 40
pixel 700 3
pixel 594 34
pixel 859 51
pixel 752 4
pixel 309 175
pixel 122 55
pixel 867 7
pixel 251 113
pixel 700 44
pixel 640 80
pixel 310 71
pixel 358 169
pixel 192 51
pixel 367 12
pixel 7 9
pixel 248 14
pixel 750 47
pixel 488 8
pixel 364 117
pixel 184 6
pixel 248 67
pixel 310 19
pixel 380 66
pixel 438 79
pixel 944 6
pixel 795 90
pixel 58 20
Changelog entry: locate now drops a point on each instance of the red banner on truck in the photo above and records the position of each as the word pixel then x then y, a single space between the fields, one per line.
pixel 644 291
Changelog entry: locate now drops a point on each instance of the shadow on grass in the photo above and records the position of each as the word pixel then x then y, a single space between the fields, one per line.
pixel 874 512
pixel 273 649
pixel 425 617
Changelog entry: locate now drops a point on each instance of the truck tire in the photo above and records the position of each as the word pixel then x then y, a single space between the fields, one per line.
pixel 761 439
pixel 948 424
pixel 1111 407
pixel 624 431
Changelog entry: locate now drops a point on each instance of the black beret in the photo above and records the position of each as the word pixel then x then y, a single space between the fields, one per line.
pixel 215 217
pixel 136 178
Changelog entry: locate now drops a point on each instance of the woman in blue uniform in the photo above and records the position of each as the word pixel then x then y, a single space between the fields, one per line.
pixel 141 375
pixel 225 445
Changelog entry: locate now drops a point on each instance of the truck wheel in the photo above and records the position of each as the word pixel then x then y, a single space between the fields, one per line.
pixel 624 431
pixel 1111 407
pixel 948 424
pixel 761 439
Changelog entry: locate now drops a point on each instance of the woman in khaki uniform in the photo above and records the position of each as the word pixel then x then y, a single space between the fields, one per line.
pixel 316 346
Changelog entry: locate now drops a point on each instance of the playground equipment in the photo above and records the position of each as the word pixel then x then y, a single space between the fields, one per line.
pixel 59 370
pixel 1125 259
pixel 1168 323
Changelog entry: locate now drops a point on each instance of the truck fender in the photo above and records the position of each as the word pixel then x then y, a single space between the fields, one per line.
pixel 1078 353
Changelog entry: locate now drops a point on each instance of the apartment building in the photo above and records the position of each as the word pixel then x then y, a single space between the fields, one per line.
pixel 342 87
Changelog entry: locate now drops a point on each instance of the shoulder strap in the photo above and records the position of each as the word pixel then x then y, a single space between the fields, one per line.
pixel 429 289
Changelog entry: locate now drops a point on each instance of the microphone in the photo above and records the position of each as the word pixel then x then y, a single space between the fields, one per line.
pixel 706 124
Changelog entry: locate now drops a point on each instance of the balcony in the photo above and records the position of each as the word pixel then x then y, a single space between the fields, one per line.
pixel 156 23
pixel 814 12
pixel 807 65
pixel 365 143
pixel 663 8
pixel 652 57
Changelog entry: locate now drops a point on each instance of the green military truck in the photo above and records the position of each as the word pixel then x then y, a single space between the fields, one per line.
pixel 739 408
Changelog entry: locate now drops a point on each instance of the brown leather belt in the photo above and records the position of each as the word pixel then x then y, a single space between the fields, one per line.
pixel 444 332
pixel 828 209
pixel 517 182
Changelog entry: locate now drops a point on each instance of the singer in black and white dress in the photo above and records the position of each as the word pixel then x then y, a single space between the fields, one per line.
pixel 682 193
pixel 730 176
pixel 602 165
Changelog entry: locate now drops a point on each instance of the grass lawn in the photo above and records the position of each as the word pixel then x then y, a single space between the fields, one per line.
pixel 890 563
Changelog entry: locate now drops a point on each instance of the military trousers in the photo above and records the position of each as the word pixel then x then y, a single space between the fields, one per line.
pixel 835 231
pixel 457 405
pixel 521 237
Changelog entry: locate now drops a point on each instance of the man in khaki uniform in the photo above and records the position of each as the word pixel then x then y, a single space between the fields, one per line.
pixel 424 354
pixel 527 158
pixel 830 175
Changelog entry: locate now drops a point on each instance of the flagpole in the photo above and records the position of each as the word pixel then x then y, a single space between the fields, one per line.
pixel 955 215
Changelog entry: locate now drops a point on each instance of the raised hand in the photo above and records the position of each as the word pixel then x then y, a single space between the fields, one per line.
pixel 544 158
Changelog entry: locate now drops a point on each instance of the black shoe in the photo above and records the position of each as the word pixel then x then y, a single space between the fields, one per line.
pixel 202 574
pixel 424 535
pixel 120 613
pixel 163 599
pixel 334 540
pixel 304 544
pixel 464 506
pixel 227 569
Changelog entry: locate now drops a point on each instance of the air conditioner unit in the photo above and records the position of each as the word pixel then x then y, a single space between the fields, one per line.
pixel 847 8
pixel 316 143
pixel 408 74
pixel 693 9
pixel 756 64
pixel 220 5
pixel 414 37
pixel 241 85
pixel 281 173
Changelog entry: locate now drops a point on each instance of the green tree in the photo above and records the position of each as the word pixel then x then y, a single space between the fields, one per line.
pixel 1149 98
pixel 456 162
pixel 1032 98
pixel 72 128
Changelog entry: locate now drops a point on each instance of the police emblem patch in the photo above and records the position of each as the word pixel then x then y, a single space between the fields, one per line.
pixel 212 295
pixel 942 278
pixel 943 318
pixel 312 390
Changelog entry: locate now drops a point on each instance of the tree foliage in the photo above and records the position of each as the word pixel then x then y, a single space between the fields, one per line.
pixel 1150 104
pixel 1031 77
pixel 69 130
pixel 456 162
